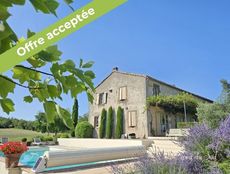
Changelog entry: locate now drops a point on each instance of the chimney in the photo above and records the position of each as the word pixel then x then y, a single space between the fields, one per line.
pixel 115 69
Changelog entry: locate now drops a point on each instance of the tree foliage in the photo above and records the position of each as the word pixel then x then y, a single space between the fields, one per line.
pixel 102 126
pixel 41 124
pixel 224 97
pixel 109 123
pixel 46 87
pixel 75 115
pixel 17 123
pixel 212 114
pixel 119 123
pixel 174 103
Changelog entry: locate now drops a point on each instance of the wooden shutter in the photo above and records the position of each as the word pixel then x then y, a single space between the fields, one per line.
pixel 123 93
pixel 104 98
pixel 120 94
pixel 130 119
pixel 134 118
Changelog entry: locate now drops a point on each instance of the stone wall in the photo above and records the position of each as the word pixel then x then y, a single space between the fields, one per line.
pixel 136 100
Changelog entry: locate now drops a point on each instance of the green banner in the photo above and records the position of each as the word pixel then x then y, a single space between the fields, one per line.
pixel 55 32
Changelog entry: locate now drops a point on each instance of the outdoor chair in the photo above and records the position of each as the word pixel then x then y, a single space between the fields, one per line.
pixel 37 142
pixel 4 140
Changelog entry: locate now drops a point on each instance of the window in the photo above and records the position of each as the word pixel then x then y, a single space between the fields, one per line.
pixel 123 93
pixel 96 121
pixel 132 118
pixel 156 90
pixel 102 98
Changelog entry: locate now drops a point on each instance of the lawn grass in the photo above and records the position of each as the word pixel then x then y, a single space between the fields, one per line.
pixel 18 134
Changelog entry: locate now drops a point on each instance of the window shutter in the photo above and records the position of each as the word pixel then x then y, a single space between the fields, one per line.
pixel 120 94
pixel 97 99
pixel 124 93
pixel 130 119
pixel 105 98
pixel 134 118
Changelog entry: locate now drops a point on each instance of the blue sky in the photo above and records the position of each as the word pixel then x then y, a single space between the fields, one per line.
pixel 185 43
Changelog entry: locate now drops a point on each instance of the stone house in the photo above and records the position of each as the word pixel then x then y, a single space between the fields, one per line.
pixel 130 91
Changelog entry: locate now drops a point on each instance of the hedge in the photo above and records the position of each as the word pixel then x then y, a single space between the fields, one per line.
pixel 119 124
pixel 109 123
pixel 182 125
pixel 102 124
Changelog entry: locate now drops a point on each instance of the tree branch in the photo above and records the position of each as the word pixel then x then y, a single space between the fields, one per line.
pixel 10 80
pixel 31 69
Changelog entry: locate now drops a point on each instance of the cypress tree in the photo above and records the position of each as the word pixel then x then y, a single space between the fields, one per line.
pixel 75 115
pixel 102 124
pixel 119 124
pixel 109 123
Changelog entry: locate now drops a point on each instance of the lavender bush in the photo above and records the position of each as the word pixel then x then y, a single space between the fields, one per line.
pixel 207 151
pixel 154 163
pixel 211 145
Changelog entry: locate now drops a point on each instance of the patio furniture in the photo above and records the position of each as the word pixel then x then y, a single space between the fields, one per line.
pixel 132 136
pixel 176 133
pixel 4 140
pixel 37 142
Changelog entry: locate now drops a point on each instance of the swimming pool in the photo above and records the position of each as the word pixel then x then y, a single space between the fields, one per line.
pixel 30 157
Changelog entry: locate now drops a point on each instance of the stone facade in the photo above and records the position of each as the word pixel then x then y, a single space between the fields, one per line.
pixel 130 92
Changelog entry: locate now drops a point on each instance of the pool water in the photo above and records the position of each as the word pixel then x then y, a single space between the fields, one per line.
pixel 30 157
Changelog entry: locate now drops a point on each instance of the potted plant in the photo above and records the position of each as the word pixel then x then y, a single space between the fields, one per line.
pixel 24 141
pixel 13 152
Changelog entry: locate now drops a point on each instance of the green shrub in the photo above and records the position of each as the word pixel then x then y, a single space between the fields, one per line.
pixel 48 138
pixel 24 139
pixel 182 125
pixel 225 166
pixel 119 124
pixel 109 123
pixel 45 138
pixel 102 124
pixel 84 130
pixel 64 135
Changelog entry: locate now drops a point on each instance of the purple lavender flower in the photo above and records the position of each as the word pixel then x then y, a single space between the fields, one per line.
pixel 198 138
pixel 224 130
pixel 221 140
pixel 192 163
pixel 215 170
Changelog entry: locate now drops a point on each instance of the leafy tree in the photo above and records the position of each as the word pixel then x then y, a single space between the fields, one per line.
pixel 46 87
pixel 102 124
pixel 119 124
pixel 54 127
pixel 5 123
pixel 75 115
pixel 84 130
pixel 57 126
pixel 41 122
pixel 109 123
pixel 224 97
pixel 16 123
pixel 212 114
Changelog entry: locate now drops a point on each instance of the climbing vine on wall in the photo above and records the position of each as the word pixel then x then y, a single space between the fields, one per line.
pixel 174 103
